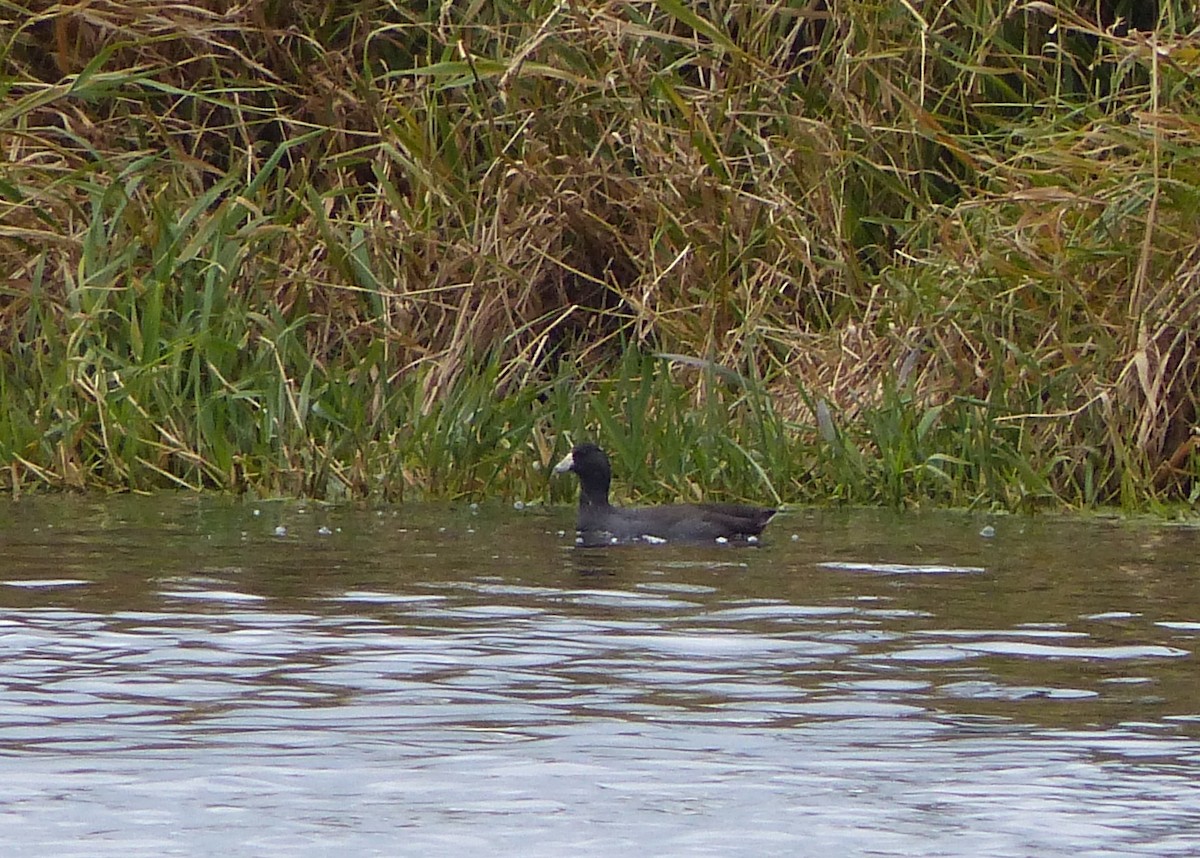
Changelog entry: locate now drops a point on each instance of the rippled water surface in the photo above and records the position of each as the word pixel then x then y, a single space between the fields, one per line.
pixel 183 676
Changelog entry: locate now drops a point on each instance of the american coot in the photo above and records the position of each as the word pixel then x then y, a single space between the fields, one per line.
pixel 601 522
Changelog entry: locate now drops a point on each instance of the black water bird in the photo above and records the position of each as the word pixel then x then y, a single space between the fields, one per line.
pixel 600 522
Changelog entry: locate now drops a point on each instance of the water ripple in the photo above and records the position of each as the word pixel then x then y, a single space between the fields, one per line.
pixel 503 695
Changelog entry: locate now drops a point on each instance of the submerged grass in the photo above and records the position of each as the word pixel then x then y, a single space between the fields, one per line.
pixel 874 253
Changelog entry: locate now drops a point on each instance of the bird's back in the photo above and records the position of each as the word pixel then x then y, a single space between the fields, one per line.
pixel 692 522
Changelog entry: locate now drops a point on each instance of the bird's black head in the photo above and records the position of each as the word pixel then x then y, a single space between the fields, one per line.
pixel 591 465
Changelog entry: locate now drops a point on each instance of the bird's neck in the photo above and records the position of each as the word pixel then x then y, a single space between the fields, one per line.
pixel 597 497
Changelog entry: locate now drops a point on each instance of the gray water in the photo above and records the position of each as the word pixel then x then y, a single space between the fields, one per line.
pixel 183 676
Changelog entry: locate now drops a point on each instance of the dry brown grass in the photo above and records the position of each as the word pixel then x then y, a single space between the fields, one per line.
pixel 992 205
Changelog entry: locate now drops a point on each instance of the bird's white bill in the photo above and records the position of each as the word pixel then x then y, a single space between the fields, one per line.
pixel 565 465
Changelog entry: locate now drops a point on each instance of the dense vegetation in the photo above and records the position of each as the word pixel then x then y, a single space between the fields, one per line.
pixel 836 249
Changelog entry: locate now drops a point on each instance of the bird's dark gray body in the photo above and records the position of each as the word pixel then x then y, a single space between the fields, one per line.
pixel 599 521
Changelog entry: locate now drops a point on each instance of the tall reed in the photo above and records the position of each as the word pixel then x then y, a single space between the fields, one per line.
pixel 370 250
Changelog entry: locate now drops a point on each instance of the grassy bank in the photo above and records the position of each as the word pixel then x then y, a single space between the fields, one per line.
pixel 866 252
